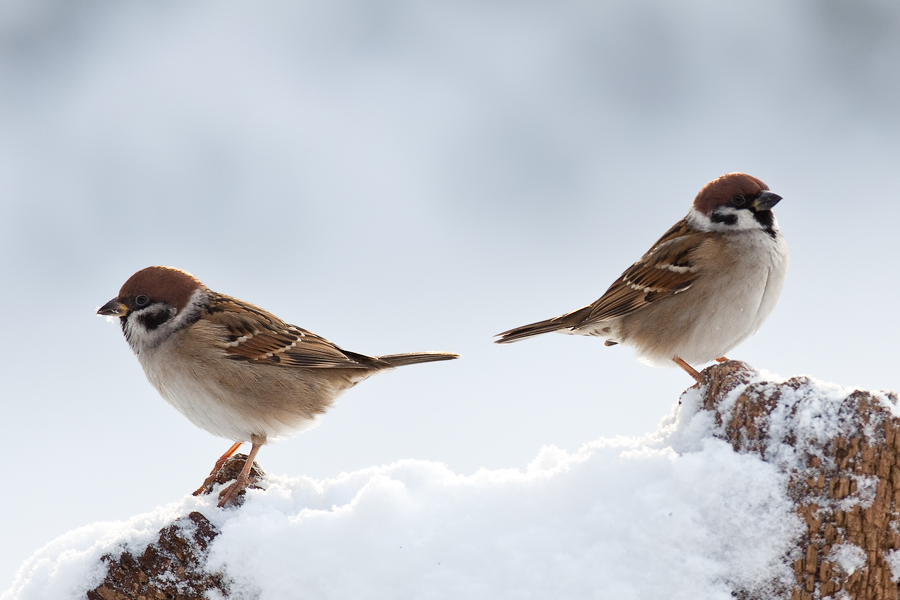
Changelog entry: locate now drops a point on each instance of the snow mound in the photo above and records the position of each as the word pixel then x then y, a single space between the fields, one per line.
pixel 675 514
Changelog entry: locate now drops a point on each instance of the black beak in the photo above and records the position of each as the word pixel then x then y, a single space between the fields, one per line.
pixel 113 308
pixel 766 201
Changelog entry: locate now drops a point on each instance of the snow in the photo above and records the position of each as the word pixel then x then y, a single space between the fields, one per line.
pixel 893 560
pixel 674 514
pixel 849 557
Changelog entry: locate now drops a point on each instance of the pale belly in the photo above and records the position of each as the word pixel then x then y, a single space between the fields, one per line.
pixel 270 402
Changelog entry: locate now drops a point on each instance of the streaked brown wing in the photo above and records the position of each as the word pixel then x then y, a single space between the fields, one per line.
pixel 256 335
pixel 664 271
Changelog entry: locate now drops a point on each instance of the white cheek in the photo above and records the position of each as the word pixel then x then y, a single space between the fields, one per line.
pixel 144 340
pixel 744 220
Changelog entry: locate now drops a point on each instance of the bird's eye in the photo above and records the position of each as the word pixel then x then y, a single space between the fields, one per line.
pixel 142 300
pixel 738 200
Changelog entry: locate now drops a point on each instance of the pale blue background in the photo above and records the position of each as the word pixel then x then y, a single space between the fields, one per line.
pixel 401 176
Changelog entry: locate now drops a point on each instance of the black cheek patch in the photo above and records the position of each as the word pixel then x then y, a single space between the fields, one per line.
pixel 152 320
pixel 728 219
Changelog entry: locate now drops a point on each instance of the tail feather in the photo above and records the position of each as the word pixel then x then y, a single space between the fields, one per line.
pixel 566 321
pixel 414 358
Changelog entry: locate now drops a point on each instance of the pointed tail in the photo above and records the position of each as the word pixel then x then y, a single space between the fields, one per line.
pixel 414 358
pixel 566 321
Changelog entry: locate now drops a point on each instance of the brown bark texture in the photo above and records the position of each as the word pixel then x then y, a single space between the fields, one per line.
pixel 844 476
pixel 174 566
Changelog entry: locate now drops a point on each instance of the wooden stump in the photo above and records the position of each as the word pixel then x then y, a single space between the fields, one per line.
pixel 844 476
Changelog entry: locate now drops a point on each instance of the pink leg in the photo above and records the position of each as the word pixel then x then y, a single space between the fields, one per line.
pixel 207 484
pixel 722 359
pixel 231 492
pixel 690 370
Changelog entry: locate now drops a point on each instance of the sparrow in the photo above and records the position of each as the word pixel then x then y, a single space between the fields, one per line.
pixel 705 286
pixel 232 368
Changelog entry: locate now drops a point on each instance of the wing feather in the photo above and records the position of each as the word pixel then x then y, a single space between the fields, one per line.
pixel 252 334
pixel 665 270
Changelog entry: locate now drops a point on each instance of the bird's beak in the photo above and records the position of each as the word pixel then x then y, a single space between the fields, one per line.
pixel 113 308
pixel 766 201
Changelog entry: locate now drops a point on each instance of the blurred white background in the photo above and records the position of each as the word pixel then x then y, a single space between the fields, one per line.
pixel 401 176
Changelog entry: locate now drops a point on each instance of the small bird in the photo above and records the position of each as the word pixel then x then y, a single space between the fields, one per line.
pixel 232 368
pixel 703 288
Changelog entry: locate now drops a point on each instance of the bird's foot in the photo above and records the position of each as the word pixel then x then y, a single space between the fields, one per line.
pixel 207 486
pixel 231 494
pixel 722 359
pixel 229 474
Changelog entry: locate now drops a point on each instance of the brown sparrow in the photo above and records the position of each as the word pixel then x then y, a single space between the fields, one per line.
pixel 702 289
pixel 232 368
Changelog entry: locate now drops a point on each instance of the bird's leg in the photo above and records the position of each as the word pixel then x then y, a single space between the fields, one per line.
pixel 231 492
pixel 690 370
pixel 207 484
pixel 722 359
